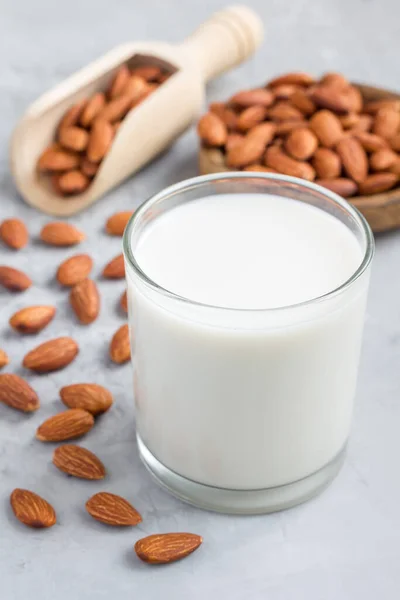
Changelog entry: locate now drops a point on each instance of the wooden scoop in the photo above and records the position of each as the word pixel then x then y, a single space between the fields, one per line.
pixel 225 40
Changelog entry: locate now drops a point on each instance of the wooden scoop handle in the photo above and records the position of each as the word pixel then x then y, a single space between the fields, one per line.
pixel 225 40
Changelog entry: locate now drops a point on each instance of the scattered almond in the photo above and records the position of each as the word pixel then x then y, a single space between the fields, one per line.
pixel 85 301
pixel 51 355
pixel 31 509
pixel 59 233
pixel 17 393
pixel 163 548
pixel 118 221
pixel 75 269
pixel 115 269
pixel 78 462
pixel 66 425
pixel 112 510
pixel 14 233
pixel 32 318
pixel 91 397
pixel 120 349
pixel 13 279
pixel 4 360
pixel 124 302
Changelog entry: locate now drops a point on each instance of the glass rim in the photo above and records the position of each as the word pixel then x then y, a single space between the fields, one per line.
pixel 187 184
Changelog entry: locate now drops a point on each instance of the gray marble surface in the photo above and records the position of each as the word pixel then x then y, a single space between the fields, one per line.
pixel 344 544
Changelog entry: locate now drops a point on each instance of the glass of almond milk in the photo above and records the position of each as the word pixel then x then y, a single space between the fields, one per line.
pixel 246 295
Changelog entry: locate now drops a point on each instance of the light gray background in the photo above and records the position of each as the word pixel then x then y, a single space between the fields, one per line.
pixel 344 544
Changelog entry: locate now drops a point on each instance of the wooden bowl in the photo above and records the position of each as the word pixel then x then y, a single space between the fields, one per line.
pixel 382 211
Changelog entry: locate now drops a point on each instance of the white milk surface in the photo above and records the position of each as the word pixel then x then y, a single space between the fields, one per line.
pixel 246 399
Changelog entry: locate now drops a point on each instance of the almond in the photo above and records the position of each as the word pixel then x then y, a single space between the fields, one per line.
pixel 124 302
pixel 283 111
pixel 115 269
pixel 377 183
pixel 136 88
pixel 101 137
pixel 120 349
pixel 264 132
pixel 233 139
pixel 51 355
pixel 326 163
pixel 301 144
pixel 4 360
pixel 227 116
pixel 212 130
pixel 56 159
pixel 285 91
pixel 72 115
pixel 395 142
pixel 14 280
pixel 92 109
pixel 17 393
pixel 85 301
pixel 247 98
pixel 163 548
pixel 75 269
pixel 326 127
pixel 364 123
pixel 382 160
pixel 350 120
pixel 370 142
pixel 119 82
pixel 32 318
pixel 31 509
pixel 88 396
pixel 59 233
pixel 148 72
pixel 250 117
pixel 72 182
pixel 354 98
pixel 335 99
pixel 285 127
pixel 73 138
pixel 387 122
pixel 251 149
pixel 277 159
pixel 296 78
pixel 116 109
pixel 341 186
pixel 112 510
pixel 14 233
pixel 354 158
pixel 117 222
pixel 335 79
pixel 375 105
pixel 78 462
pixel 88 168
pixel 303 103
pixel 66 425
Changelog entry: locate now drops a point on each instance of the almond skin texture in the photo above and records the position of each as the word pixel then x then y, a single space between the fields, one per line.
pixel 378 183
pixel 124 302
pixel 74 270
pixel 72 182
pixel 254 97
pixel 31 509
pixel 94 106
pixel 14 233
pixel 120 350
pixel 354 158
pixel 57 159
pixel 382 160
pixel 88 396
pixel 59 233
pixel 100 140
pixel 52 355
pixel 112 510
pixel 66 425
pixel 301 144
pixel 85 301
pixel 78 462
pixel 4 360
pixel 212 130
pixel 14 280
pixel 73 138
pixel 341 186
pixel 277 159
pixel 326 163
pixel 17 393
pixel 326 127
pixel 387 123
pixel 115 269
pixel 165 548
pixel 117 222
pixel 32 318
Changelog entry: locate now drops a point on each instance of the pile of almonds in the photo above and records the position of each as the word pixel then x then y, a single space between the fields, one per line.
pixel 321 131
pixel 84 401
pixel 86 131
